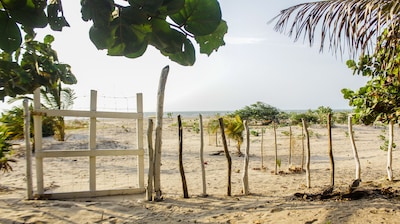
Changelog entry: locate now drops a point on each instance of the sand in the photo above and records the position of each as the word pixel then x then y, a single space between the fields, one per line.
pixel 282 198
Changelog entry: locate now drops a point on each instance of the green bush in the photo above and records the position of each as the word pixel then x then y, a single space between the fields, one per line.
pixel 13 121
pixel 5 150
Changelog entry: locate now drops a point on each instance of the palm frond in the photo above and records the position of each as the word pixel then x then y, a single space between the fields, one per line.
pixel 352 24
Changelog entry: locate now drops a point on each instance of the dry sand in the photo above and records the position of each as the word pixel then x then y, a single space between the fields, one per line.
pixel 272 198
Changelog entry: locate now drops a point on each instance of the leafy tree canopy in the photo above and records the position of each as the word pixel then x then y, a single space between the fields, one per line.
pixel 125 29
pixel 379 99
pixel 33 65
pixel 258 112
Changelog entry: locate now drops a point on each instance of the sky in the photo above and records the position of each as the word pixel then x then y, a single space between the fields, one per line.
pixel 256 64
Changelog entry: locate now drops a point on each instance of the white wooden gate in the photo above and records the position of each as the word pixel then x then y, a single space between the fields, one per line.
pixel 90 153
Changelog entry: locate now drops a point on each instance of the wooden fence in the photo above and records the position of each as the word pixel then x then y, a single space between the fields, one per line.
pixel 90 153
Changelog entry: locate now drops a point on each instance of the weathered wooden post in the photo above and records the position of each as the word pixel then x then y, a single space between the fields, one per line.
pixel 227 155
pixel 28 150
pixel 262 148
pixel 302 149
pixel 158 143
pixel 390 150
pixel 276 151
pixel 290 147
pixel 330 151
pixel 308 177
pixel 353 146
pixel 245 177
pixel 151 160
pixel 181 169
pixel 203 171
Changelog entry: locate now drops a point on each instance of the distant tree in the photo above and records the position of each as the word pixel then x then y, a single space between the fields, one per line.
pixel 234 130
pixel 310 117
pixel 233 126
pixel 258 112
pixel 322 113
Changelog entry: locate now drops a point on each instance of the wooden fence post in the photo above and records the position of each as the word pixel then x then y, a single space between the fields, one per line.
pixel 290 147
pixel 158 143
pixel 181 169
pixel 245 177
pixel 308 177
pixel 276 150
pixel 92 141
pixel 227 155
pixel 330 151
pixel 151 160
pixel 203 171
pixel 139 139
pixel 37 123
pixel 28 150
pixel 353 146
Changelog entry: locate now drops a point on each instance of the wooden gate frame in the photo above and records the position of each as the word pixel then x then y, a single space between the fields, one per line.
pixel 92 153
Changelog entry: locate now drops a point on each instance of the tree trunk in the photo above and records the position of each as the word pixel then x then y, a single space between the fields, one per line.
pixel 203 171
pixel 308 177
pixel 353 146
pixel 158 143
pixel 150 179
pixel 245 177
pixel 330 151
pixel 390 150
pixel 228 157
pixel 276 151
pixel 181 170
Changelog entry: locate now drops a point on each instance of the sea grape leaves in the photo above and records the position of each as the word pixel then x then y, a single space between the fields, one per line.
pixel 10 36
pixel 199 17
pixel 128 30
pixel 213 41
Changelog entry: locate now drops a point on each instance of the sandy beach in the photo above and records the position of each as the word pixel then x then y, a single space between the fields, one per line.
pixel 282 198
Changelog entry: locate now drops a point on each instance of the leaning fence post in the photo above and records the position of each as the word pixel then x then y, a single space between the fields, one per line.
pixel 245 177
pixel 157 149
pixel 228 157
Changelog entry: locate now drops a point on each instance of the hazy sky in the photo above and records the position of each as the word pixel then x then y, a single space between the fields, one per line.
pixel 256 64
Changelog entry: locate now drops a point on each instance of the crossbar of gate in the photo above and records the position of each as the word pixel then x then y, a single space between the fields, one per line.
pixel 92 153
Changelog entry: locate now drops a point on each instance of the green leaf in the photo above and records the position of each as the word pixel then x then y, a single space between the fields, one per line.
pixel 165 39
pixel 100 11
pixel 213 41
pixel 56 21
pixel 129 40
pixel 148 6
pixel 186 57
pixel 100 37
pixel 48 39
pixel 13 4
pixel 133 15
pixel 30 18
pixel 171 6
pixel 199 17
pixel 10 35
